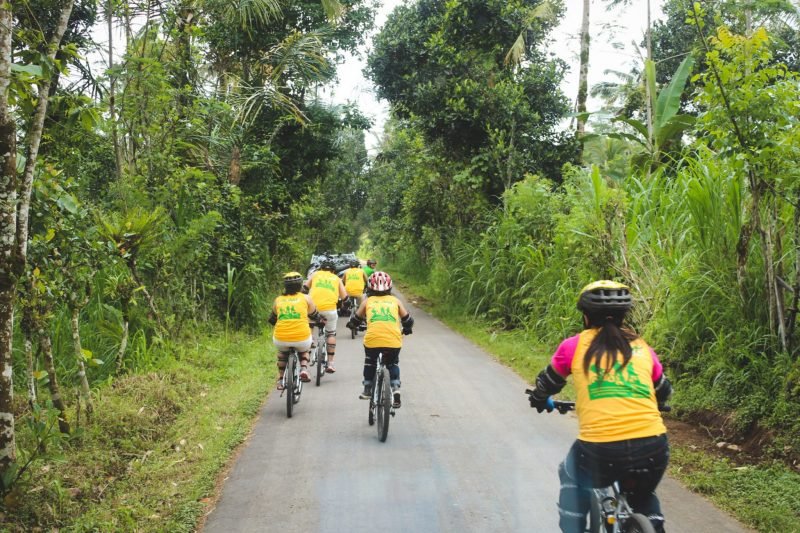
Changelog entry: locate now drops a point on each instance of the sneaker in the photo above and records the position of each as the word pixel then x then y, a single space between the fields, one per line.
pixel 280 384
pixel 396 399
pixel 329 368
pixel 304 377
pixel 366 394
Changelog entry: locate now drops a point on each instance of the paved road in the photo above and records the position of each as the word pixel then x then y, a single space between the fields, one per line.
pixel 465 453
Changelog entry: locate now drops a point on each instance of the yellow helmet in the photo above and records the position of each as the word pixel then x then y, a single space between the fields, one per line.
pixel 605 296
pixel 292 282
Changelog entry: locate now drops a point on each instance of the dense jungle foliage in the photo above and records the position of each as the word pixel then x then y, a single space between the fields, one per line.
pixel 163 161
pixel 692 200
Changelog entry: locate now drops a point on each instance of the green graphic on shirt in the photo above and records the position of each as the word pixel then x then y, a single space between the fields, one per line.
pixel 288 313
pixel 355 276
pixel 616 383
pixel 384 314
pixel 324 284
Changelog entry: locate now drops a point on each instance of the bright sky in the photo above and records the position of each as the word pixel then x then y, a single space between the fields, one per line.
pixel 621 25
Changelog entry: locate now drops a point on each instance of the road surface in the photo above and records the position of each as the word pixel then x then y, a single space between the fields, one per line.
pixel 465 453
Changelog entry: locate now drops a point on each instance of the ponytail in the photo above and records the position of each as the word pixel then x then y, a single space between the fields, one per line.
pixel 611 339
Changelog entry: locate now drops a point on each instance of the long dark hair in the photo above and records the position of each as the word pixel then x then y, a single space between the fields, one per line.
pixel 612 339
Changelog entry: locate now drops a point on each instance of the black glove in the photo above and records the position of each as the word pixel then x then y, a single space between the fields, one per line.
pixel 663 389
pixel 354 322
pixel 407 331
pixel 273 318
pixel 541 402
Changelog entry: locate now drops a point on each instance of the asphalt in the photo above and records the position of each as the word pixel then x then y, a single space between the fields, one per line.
pixel 465 453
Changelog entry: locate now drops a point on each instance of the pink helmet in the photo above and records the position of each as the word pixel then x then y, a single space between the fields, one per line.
pixel 379 281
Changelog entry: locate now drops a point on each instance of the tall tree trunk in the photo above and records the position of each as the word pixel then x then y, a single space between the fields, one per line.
pixel 34 136
pixel 583 79
pixel 793 310
pixel 50 367
pixel 650 97
pixel 123 344
pixel 31 370
pixel 86 394
pixel 9 260
pixel 14 211
pixel 112 92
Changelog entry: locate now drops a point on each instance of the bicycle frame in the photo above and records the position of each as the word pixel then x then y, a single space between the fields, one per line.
pixel 613 506
pixel 292 386
pixel 376 404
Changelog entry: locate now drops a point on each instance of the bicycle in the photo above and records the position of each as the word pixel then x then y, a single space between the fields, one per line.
pixel 319 355
pixel 609 510
pixel 362 327
pixel 380 403
pixel 292 386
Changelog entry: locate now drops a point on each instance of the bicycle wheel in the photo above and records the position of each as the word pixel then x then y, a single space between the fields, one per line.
pixel 371 418
pixel 288 383
pixel 384 404
pixel 596 520
pixel 638 523
pixel 322 361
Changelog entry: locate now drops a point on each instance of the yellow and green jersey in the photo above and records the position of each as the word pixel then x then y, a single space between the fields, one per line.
pixel 325 290
pixel 620 403
pixel 383 322
pixel 292 313
pixel 354 281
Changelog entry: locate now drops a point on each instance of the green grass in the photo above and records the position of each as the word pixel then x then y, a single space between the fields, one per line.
pixel 765 497
pixel 157 442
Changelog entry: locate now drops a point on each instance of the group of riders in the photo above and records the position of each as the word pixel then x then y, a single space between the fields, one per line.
pixel 315 301
pixel 619 381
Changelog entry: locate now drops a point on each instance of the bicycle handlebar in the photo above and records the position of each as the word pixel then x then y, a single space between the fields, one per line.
pixel 563 407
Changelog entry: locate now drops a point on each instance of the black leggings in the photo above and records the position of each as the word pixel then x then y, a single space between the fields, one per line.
pixel 391 358
pixel 638 465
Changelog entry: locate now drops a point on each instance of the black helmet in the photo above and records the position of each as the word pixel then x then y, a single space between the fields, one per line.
pixel 328 264
pixel 605 296
pixel 371 262
pixel 355 263
pixel 292 282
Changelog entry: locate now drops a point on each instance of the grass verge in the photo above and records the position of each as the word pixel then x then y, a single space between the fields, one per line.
pixel 150 458
pixel 764 496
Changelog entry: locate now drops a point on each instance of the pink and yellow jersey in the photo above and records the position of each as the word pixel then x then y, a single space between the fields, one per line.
pixel 616 405
pixel 325 290
pixel 292 324
pixel 354 281
pixel 383 323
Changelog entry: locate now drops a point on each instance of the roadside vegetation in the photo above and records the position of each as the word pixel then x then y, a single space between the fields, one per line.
pixel 150 456
pixel 762 494
pixel 686 190
pixel 162 163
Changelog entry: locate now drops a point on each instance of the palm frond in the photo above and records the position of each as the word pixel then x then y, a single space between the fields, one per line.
pixel 251 13
pixel 334 10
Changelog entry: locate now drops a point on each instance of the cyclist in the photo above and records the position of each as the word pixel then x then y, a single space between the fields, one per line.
pixel 619 383
pixel 370 268
pixel 355 281
pixel 386 319
pixel 325 289
pixel 290 315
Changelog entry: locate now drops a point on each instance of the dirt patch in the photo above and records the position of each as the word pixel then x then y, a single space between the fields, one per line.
pixel 713 433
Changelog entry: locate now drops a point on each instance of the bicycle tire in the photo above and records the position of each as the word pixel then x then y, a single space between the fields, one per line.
pixel 321 362
pixel 288 383
pixel 384 404
pixel 596 524
pixel 638 523
pixel 597 520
